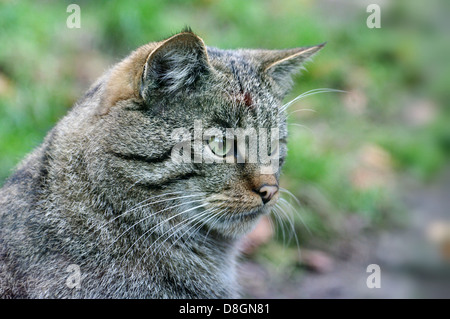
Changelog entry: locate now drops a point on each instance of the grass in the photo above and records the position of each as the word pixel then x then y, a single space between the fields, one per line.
pixel 44 68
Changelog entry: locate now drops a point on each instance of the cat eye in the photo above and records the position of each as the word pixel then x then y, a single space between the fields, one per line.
pixel 220 146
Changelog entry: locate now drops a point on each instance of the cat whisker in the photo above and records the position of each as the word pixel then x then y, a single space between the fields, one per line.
pixel 301 126
pixel 280 221
pixel 151 230
pixel 290 220
pixel 271 223
pixel 166 220
pixel 141 205
pixel 308 93
pixel 286 191
pixel 301 110
pixel 213 224
pixel 198 221
pixel 213 216
pixel 294 210
pixel 147 217
pixel 281 208
pixel 172 232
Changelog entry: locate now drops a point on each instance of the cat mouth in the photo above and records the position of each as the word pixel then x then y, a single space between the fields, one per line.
pixel 247 215
pixel 235 209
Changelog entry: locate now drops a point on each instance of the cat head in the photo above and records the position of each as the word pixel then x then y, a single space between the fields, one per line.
pixel 196 129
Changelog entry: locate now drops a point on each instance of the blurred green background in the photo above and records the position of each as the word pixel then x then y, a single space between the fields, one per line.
pixel 352 156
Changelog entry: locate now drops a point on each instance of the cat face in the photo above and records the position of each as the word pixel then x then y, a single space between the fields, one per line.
pixel 201 133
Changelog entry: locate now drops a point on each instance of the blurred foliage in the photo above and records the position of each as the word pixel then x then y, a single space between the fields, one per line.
pixel 346 150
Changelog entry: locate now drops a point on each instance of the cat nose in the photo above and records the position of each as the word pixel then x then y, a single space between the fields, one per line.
pixel 267 192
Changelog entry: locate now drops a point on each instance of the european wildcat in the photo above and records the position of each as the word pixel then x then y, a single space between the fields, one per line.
pixel 103 192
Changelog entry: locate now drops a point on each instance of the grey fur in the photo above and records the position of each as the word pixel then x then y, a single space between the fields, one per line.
pixel 102 193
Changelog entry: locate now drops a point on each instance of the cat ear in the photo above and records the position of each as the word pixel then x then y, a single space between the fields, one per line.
pixel 281 65
pixel 176 63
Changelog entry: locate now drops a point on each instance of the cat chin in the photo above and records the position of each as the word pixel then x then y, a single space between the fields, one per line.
pixel 239 224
